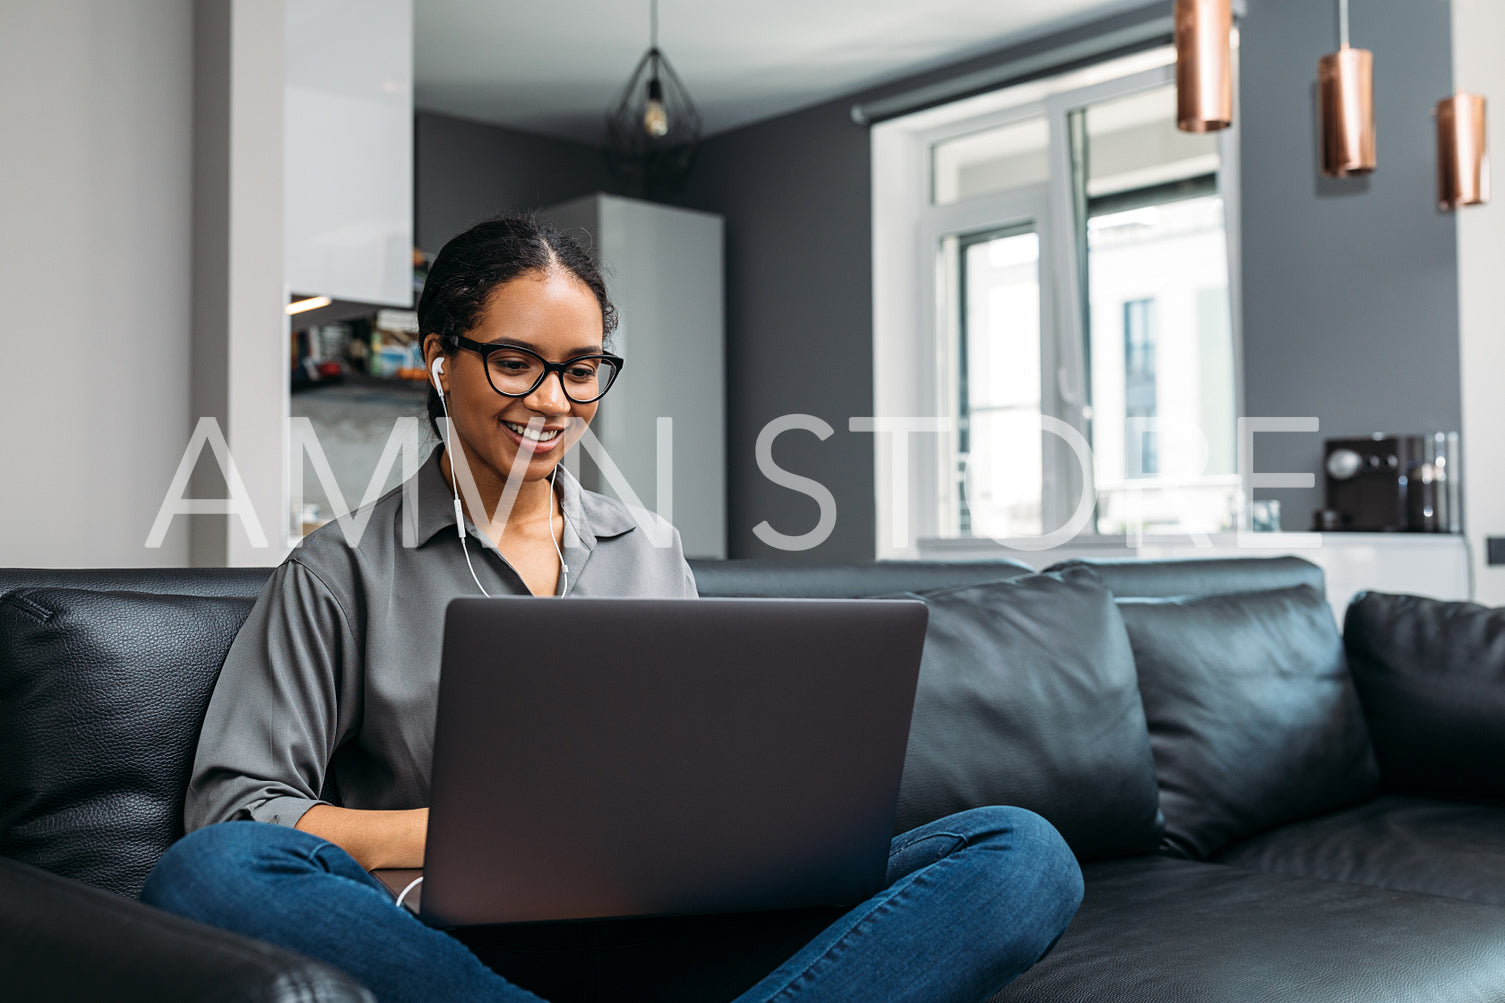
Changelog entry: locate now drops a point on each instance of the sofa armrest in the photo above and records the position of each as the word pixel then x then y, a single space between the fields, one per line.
pixel 60 939
pixel 1431 675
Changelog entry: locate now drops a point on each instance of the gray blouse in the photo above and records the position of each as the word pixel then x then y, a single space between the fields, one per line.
pixel 329 691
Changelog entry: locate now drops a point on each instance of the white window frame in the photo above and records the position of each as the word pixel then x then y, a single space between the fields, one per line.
pixel 907 332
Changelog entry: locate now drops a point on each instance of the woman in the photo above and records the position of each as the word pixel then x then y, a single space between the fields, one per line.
pixel 321 723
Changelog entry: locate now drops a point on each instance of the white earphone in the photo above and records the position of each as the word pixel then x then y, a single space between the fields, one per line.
pixel 564 569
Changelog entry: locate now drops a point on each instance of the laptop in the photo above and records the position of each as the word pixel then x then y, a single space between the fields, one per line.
pixel 610 758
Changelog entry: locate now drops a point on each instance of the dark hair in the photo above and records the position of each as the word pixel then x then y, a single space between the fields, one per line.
pixel 495 251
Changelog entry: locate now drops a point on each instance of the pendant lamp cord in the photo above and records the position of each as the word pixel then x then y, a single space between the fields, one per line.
pixel 1342 22
pixel 653 23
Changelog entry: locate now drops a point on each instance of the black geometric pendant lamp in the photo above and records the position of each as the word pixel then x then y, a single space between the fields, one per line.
pixel 653 128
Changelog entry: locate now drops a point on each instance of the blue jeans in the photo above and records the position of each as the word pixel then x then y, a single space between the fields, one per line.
pixel 971 901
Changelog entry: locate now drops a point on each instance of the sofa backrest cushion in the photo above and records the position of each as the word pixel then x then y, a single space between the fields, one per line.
pixel 101 698
pixel 1252 713
pixel 164 581
pixel 1027 696
pixel 1431 675
pixel 1128 577
pixel 745 577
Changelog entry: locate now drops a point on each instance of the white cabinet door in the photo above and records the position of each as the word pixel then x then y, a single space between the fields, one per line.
pixel 349 149
pixel 663 271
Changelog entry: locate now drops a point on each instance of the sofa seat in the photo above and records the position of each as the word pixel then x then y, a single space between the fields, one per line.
pixel 1163 929
pixel 1413 844
pixel 1201 707
pixel 68 941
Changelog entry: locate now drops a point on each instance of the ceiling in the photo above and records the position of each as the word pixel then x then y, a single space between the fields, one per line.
pixel 555 67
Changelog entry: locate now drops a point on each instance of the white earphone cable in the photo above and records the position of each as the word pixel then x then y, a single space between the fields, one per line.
pixel 411 885
pixel 455 483
pixel 564 569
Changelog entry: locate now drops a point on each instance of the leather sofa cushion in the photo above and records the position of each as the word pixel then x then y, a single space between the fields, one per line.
pixel 1431 675
pixel 1252 713
pixel 60 940
pixel 1197 576
pixel 746 577
pixel 1450 848
pixel 1027 696
pixel 166 581
pixel 101 698
pixel 1156 928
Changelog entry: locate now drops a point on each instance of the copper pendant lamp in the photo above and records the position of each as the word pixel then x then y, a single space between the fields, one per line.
pixel 1204 65
pixel 1345 81
pixel 1462 152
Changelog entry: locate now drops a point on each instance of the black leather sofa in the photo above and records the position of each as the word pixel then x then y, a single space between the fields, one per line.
pixel 1264 809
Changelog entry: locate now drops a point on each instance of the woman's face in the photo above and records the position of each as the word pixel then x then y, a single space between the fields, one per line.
pixel 552 313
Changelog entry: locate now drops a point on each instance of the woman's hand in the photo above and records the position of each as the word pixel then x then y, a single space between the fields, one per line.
pixel 376 839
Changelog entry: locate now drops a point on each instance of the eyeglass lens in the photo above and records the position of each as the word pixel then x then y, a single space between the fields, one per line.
pixel 518 373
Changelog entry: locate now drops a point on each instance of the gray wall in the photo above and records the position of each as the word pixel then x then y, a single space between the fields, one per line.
pixel 1350 287
pixel 465 171
pixel 799 335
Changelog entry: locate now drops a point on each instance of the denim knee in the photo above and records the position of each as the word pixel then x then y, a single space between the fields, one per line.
pixel 213 869
pixel 1045 842
pixel 1039 856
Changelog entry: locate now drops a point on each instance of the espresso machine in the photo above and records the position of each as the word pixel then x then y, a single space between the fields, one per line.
pixel 1391 484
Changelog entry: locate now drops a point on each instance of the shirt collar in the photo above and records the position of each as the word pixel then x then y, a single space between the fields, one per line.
pixel 588 517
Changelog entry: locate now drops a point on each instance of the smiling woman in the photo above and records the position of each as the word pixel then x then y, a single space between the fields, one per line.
pixel 322 719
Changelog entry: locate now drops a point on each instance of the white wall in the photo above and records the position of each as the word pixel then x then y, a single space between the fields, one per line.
pixel 240 185
pixel 95 211
pixel 1478 30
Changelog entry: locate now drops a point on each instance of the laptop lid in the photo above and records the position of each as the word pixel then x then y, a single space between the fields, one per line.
pixel 642 757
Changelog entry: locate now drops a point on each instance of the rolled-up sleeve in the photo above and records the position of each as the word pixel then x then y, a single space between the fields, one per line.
pixel 286 698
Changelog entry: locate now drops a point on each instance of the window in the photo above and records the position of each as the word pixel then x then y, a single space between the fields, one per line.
pixel 998 357
pixel 1139 389
pixel 1052 277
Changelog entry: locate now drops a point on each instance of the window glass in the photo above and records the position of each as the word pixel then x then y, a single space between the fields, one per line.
pixel 991 160
pixel 998 381
pixel 1160 350
pixel 1133 144
pixel 1139 388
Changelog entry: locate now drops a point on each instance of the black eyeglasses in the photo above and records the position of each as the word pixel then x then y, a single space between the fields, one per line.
pixel 517 372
